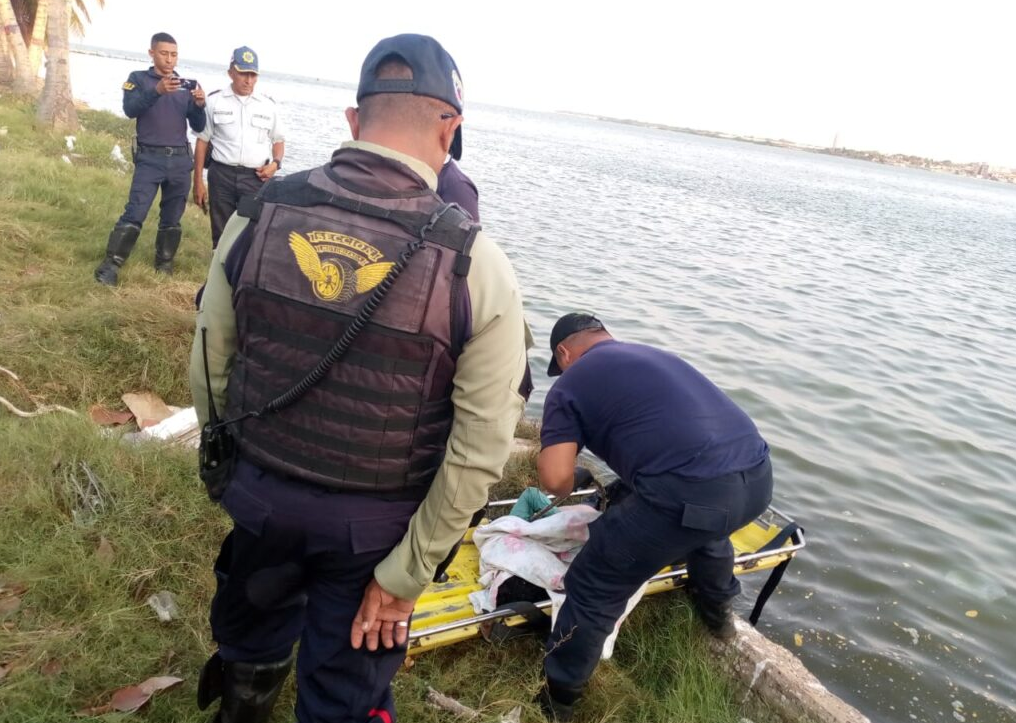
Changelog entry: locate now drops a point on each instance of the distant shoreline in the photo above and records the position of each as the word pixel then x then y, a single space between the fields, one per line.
pixel 116 54
pixel 973 170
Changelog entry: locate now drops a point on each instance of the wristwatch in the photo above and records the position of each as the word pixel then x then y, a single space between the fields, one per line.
pixel 277 162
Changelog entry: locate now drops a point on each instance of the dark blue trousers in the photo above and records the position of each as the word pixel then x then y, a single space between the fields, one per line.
pixel 152 171
pixel 665 519
pixel 294 568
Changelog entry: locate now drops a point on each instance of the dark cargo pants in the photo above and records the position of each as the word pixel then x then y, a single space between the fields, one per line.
pixel 294 568
pixel 154 170
pixel 664 520
pixel 226 186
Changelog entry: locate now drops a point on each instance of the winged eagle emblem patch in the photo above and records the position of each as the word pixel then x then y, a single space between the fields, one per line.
pixel 338 266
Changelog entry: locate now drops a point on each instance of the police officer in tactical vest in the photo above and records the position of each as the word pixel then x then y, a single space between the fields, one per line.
pixel 163 105
pixel 366 342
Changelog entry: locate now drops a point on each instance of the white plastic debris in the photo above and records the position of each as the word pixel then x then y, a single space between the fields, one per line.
pixel 180 428
pixel 164 605
pixel 66 159
pixel 981 585
pixel 70 140
pixel 117 155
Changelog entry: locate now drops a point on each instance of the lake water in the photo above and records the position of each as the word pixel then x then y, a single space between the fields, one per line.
pixel 865 316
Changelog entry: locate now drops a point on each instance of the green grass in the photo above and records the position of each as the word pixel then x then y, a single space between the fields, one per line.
pixel 528 429
pixel 66 336
pixel 83 629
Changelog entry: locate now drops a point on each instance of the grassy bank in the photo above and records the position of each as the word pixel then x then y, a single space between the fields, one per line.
pixel 77 567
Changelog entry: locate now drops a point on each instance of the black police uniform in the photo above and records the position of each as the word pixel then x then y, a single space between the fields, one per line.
pixel 163 160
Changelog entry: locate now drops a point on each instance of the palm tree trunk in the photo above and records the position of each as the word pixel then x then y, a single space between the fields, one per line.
pixel 38 43
pixel 24 81
pixel 6 63
pixel 56 107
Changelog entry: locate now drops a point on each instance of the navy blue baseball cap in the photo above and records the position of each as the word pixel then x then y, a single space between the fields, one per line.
pixel 566 326
pixel 435 74
pixel 245 60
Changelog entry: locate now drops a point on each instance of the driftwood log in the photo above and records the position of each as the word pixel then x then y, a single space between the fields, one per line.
pixel 443 702
pixel 779 680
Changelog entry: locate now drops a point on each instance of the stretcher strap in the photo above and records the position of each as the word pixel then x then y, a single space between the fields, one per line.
pixel 777 574
pixel 524 609
pixel 499 631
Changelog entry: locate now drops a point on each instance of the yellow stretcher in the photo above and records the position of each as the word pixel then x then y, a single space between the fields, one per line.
pixel 444 615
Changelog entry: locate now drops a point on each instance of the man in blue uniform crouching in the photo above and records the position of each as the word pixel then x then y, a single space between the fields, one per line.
pixel 695 468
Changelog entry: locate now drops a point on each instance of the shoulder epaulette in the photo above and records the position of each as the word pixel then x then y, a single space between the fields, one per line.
pixel 214 92
pixel 131 82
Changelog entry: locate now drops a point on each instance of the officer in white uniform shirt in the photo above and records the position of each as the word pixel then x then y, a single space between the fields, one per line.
pixel 244 136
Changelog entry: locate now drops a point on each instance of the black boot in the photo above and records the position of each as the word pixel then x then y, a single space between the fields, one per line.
pixel 718 617
pixel 248 690
pixel 558 702
pixel 121 242
pixel 167 241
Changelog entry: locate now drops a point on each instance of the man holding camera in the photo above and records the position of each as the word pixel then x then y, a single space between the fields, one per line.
pixel 246 139
pixel 163 104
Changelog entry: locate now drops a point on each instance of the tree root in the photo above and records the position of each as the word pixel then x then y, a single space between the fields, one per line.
pixel 39 408
pixel 43 409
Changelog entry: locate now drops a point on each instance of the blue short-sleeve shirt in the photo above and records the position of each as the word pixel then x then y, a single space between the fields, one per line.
pixel 645 411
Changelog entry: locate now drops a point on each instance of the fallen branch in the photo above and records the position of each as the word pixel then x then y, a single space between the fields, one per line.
pixel 39 409
pixel 561 641
pixel 44 409
pixel 451 705
pixel 90 497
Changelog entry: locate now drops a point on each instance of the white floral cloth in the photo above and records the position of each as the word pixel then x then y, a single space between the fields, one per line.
pixel 538 552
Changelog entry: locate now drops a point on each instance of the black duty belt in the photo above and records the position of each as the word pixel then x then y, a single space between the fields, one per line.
pixel 231 167
pixel 165 150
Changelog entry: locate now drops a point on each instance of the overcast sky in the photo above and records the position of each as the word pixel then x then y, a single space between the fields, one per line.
pixel 928 78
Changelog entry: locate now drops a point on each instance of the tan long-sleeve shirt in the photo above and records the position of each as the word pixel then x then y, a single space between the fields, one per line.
pixel 487 404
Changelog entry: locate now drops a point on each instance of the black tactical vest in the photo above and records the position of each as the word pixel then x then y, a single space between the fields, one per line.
pixel 322 240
